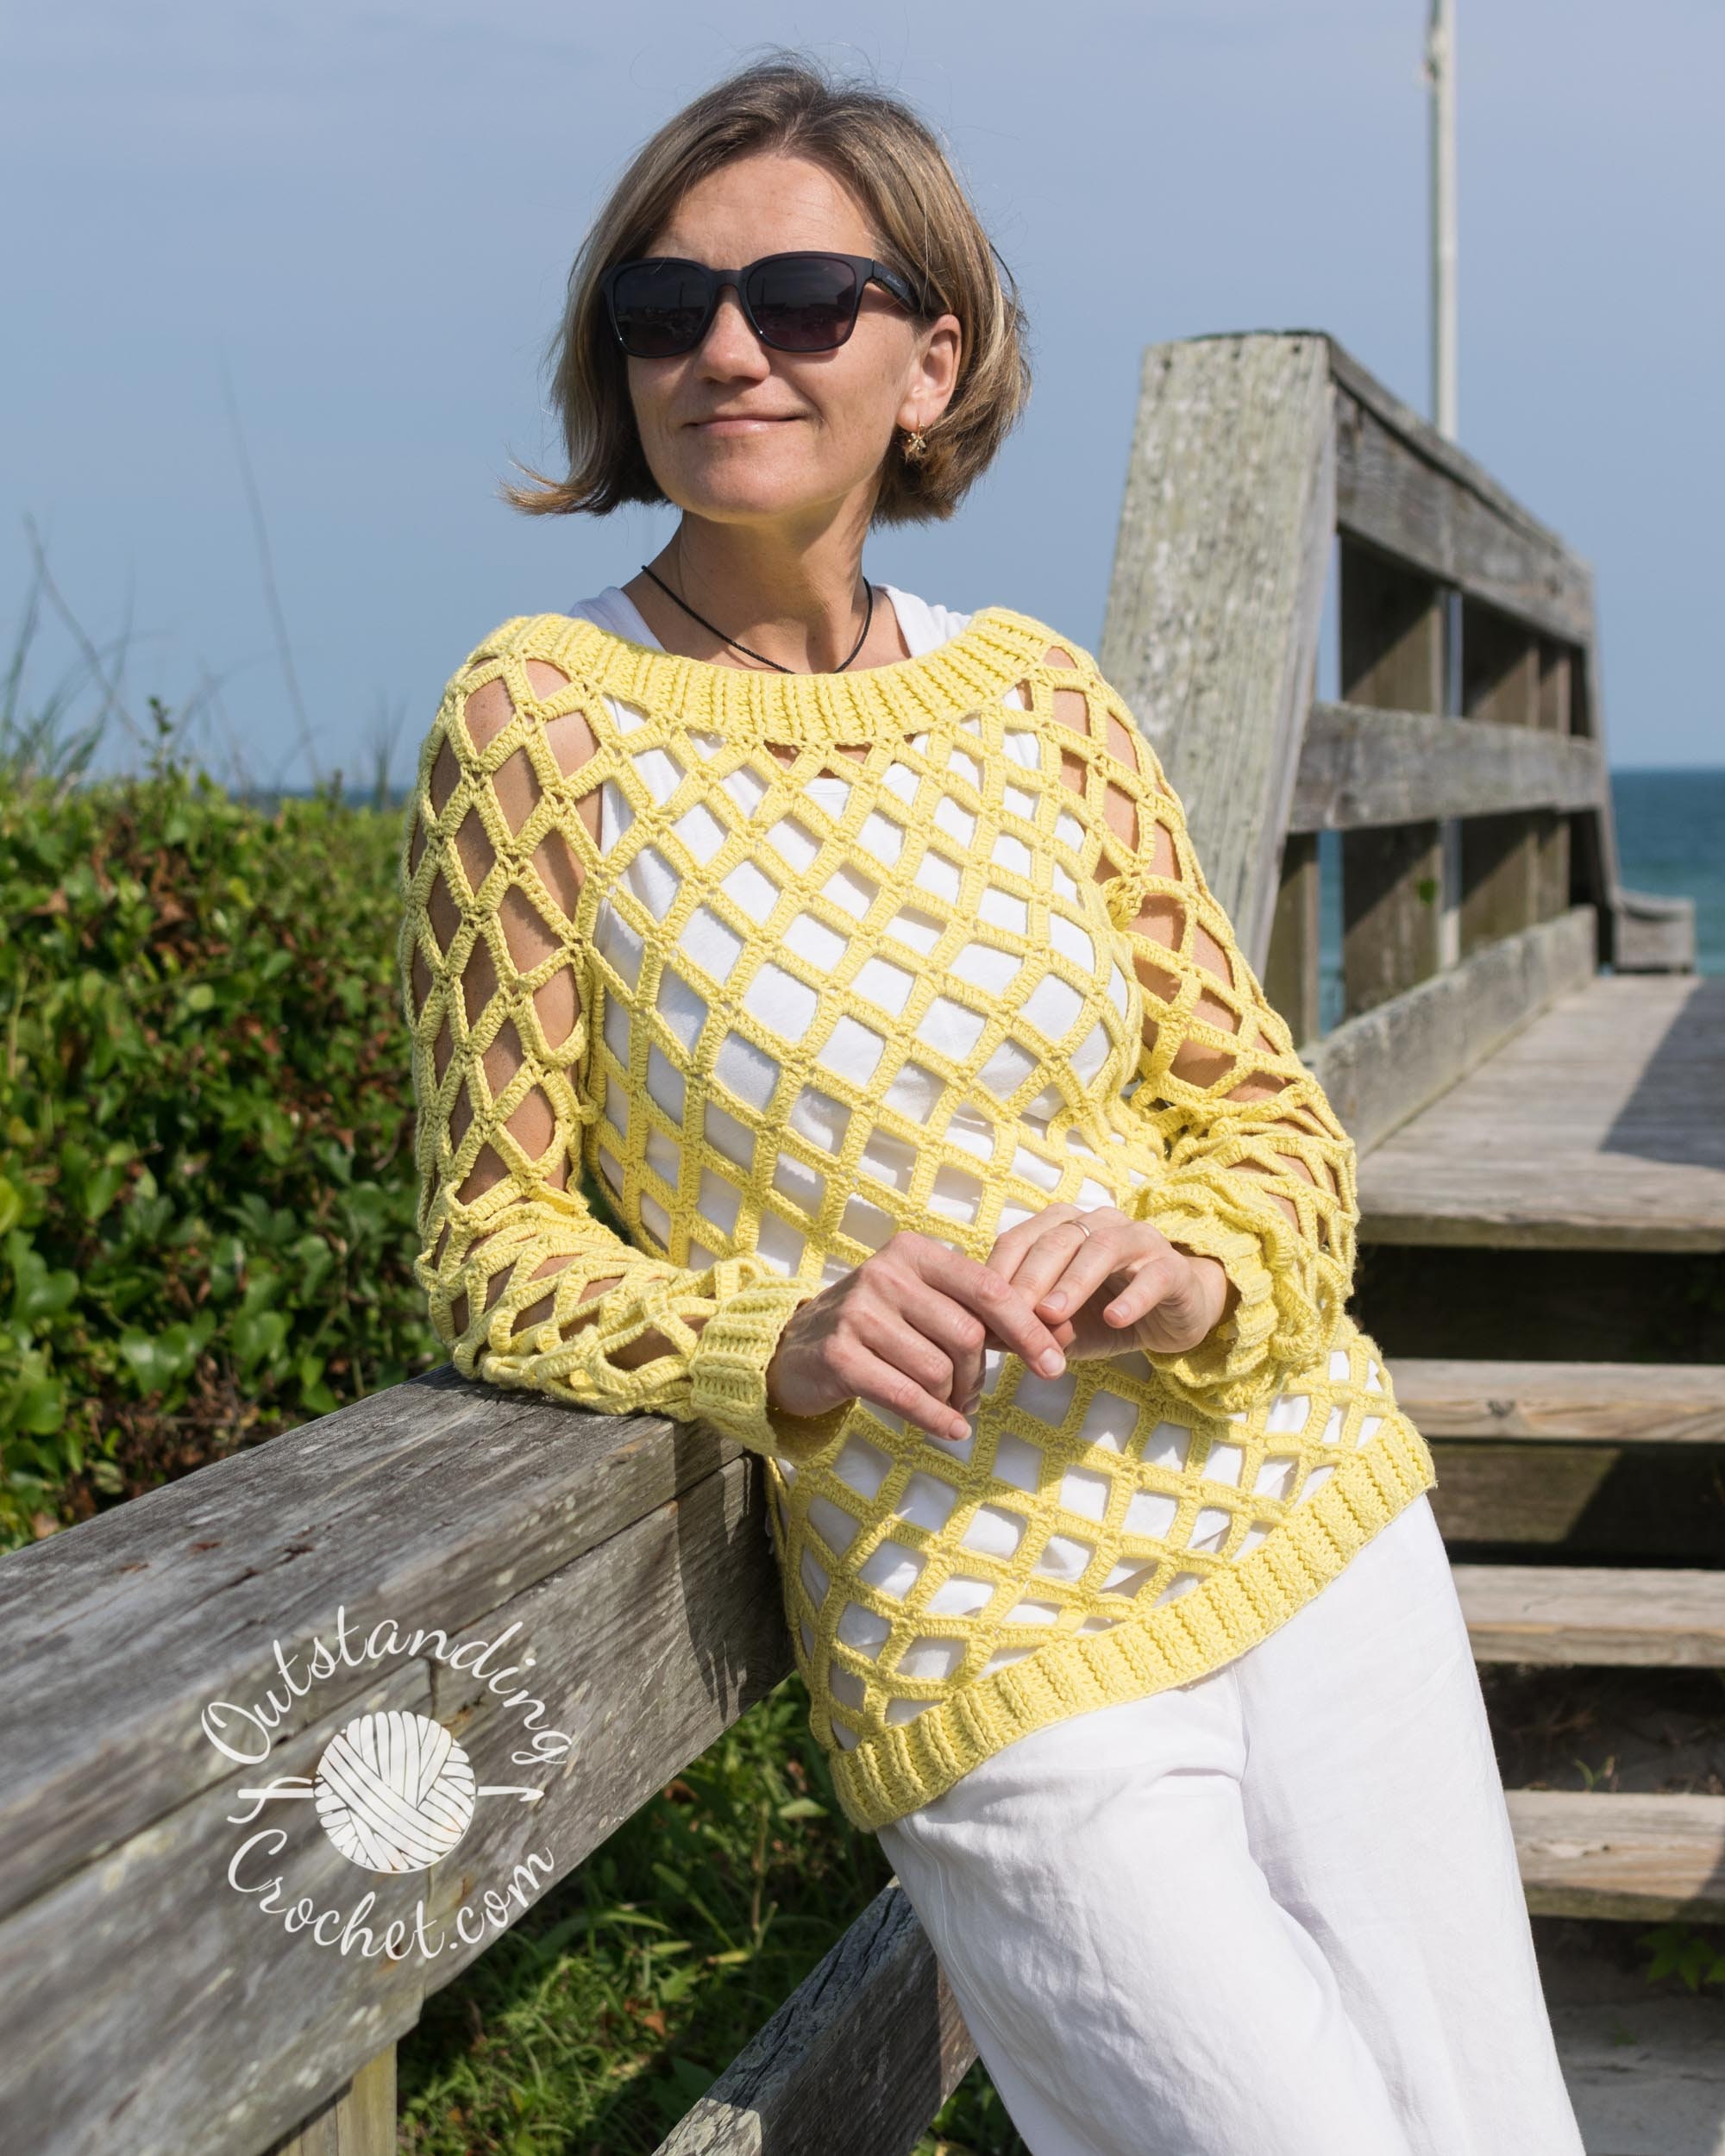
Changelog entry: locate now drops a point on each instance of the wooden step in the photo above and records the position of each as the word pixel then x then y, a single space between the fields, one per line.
pixel 1640 1858
pixel 1594 1615
pixel 1600 1126
pixel 1606 1403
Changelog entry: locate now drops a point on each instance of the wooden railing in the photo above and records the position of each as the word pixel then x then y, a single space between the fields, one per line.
pixel 1463 765
pixel 155 2008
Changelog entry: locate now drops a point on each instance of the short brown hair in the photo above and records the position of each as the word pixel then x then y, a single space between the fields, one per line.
pixel 924 225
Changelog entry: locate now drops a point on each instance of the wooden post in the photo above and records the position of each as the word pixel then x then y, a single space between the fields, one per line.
pixel 1500 854
pixel 1290 975
pixel 1557 671
pixel 1218 591
pixel 359 2120
pixel 1392 655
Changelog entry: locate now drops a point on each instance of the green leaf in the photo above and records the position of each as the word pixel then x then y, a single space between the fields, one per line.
pixel 39 1408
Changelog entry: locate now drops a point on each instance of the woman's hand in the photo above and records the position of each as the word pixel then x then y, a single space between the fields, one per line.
pixel 906 1330
pixel 1105 1283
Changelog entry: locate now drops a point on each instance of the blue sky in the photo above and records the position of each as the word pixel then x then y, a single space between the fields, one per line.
pixel 362 217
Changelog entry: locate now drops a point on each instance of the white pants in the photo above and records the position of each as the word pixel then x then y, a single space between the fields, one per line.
pixel 1274 1912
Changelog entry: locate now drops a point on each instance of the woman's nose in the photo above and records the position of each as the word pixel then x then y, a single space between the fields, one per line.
pixel 729 341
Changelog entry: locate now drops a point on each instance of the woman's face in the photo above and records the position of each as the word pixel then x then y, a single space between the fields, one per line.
pixel 739 433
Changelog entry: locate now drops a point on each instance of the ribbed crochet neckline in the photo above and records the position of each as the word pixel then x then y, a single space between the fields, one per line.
pixel 984 660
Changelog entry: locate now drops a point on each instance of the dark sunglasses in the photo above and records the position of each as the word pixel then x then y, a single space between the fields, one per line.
pixel 661 305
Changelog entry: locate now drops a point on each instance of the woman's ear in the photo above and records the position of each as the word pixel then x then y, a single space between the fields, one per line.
pixel 934 372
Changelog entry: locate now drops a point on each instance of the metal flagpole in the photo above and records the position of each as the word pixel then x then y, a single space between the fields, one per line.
pixel 1440 74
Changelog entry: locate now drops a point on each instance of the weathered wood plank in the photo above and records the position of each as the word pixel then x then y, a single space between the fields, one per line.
pixel 1393 640
pixel 1359 767
pixel 1500 852
pixel 1393 655
pixel 358 2121
pixel 692 1577
pixel 855 2063
pixel 1216 595
pixel 1401 486
pixel 160 1604
pixel 1292 971
pixel 1385 1065
pixel 1601 1126
pixel 1643 1858
pixel 152 2006
pixel 1595 1615
pixel 1610 1403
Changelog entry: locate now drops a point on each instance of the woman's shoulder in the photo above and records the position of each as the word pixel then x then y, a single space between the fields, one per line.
pixel 555 638
pixel 927 625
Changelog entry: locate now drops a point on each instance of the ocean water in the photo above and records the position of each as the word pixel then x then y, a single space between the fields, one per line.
pixel 1671 841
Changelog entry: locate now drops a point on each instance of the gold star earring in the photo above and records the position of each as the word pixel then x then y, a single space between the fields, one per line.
pixel 915 445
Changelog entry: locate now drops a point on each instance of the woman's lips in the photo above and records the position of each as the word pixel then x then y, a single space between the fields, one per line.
pixel 739 426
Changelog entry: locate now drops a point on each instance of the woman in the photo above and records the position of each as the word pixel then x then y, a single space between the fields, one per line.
pixel 857 950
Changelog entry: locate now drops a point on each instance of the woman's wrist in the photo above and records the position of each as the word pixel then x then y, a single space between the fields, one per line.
pixel 1218 1295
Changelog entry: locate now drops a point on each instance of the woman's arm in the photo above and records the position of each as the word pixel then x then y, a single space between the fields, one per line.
pixel 527 1288
pixel 1260 1172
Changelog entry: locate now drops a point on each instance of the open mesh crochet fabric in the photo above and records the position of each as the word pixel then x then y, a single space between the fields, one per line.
pixel 786 967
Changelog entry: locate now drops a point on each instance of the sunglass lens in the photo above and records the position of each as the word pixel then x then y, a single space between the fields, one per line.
pixel 659 309
pixel 804 303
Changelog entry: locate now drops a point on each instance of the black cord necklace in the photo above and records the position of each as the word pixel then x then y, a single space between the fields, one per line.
pixel 868 617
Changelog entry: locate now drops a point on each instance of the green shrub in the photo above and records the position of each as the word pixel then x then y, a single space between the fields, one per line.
pixel 206 1179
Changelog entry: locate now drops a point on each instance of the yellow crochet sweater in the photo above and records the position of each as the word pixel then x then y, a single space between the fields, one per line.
pixel 786 962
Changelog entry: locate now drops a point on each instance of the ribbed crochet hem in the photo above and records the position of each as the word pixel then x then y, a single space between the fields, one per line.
pixel 904 1767
pixel 969 670
pixel 1218 1368
pixel 728 1374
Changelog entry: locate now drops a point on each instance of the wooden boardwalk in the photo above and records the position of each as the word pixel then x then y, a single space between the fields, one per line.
pixel 1505 1095
pixel 1601 1126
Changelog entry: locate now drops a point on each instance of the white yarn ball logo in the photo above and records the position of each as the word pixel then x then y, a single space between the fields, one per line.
pixel 395 1792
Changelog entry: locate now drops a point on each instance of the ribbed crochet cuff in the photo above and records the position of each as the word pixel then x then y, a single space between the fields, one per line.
pixel 1272 1322
pixel 728 1373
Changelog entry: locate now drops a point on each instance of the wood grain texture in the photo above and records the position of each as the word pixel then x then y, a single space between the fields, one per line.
pixel 437 1502
pixel 855 2063
pixel 1217 593
pixel 1292 972
pixel 1386 1065
pixel 358 2121
pixel 450 1506
pixel 1641 1858
pixel 154 2007
pixel 1601 1126
pixel 1402 487
pixel 1360 766
pixel 1609 1403
pixel 1653 1616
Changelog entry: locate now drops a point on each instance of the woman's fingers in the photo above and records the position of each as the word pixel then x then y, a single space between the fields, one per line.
pixel 870 1377
pixel 1007 1313
pixel 939 1344
pixel 1036 1253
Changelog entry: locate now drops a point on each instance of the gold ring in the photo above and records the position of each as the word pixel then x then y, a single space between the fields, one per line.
pixel 1080 1227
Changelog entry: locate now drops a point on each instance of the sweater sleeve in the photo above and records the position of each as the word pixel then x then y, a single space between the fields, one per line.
pixel 1240 1121
pixel 527 1286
